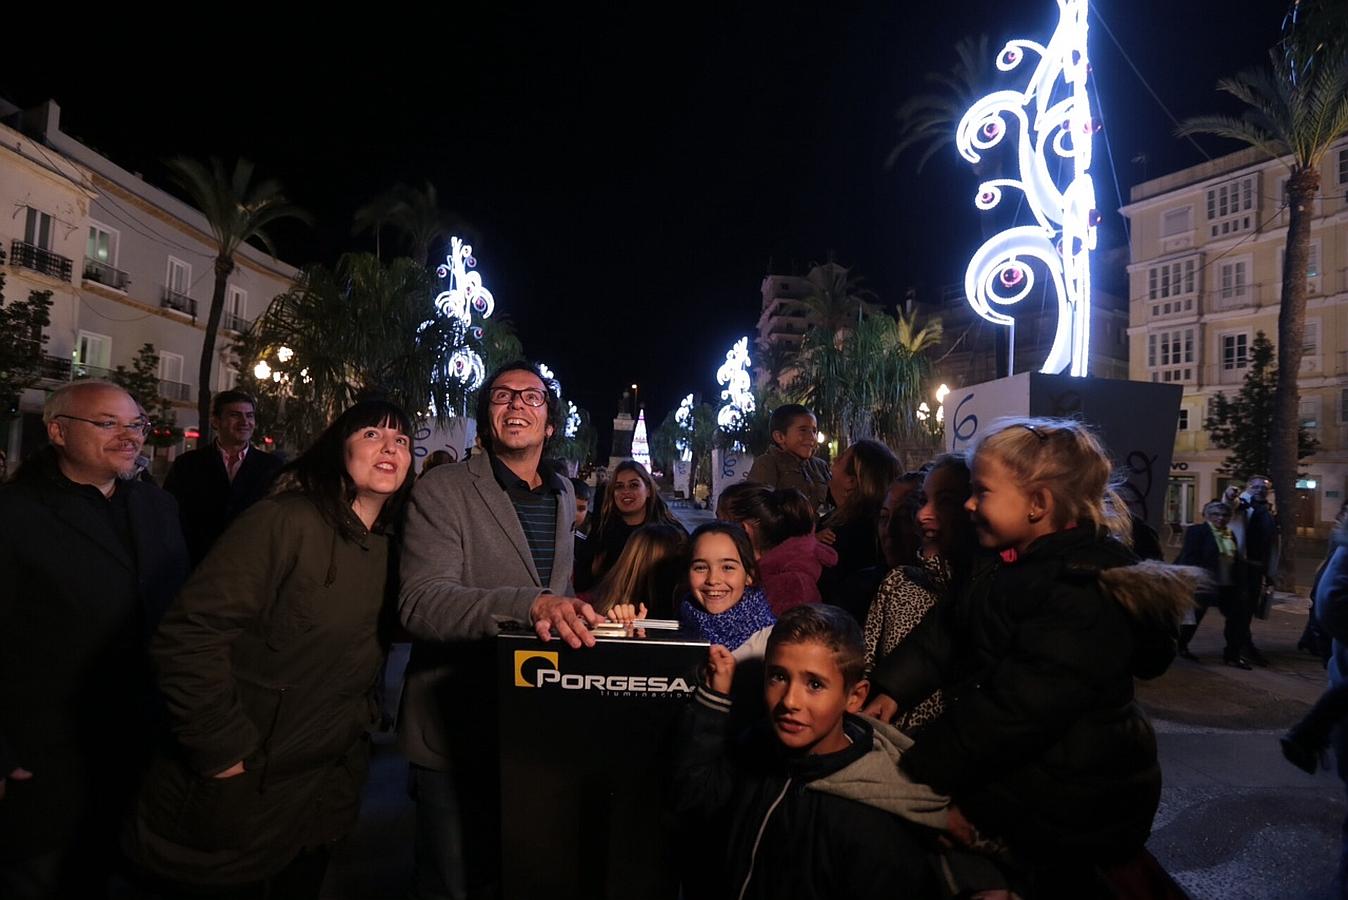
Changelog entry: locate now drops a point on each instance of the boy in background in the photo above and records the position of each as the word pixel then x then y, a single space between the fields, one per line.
pixel 790 461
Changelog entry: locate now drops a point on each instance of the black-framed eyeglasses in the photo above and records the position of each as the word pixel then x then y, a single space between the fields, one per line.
pixel 501 396
pixel 139 426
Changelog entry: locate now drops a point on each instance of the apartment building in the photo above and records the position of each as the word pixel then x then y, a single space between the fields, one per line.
pixel 127 264
pixel 1205 277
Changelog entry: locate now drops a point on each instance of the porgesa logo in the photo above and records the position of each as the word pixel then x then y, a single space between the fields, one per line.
pixel 544 675
pixel 523 656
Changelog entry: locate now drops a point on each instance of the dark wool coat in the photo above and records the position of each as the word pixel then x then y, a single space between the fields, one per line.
pixel 1040 742
pixel 268 656
pixel 77 605
pixel 207 500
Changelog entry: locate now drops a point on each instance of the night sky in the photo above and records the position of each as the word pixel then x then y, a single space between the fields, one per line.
pixel 631 174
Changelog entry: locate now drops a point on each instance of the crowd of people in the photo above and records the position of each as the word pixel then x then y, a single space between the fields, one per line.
pixel 918 684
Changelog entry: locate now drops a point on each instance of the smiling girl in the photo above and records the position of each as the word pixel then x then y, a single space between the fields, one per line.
pixel 725 605
pixel 630 501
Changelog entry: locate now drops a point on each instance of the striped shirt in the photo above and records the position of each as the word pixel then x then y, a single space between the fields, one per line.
pixel 537 512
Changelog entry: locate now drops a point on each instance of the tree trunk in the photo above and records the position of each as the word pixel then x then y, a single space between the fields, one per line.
pixel 224 266
pixel 1302 187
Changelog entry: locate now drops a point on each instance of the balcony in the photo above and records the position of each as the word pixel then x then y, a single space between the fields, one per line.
pixel 105 275
pixel 28 256
pixel 236 324
pixel 175 390
pixel 178 302
pixel 1234 298
pixel 63 368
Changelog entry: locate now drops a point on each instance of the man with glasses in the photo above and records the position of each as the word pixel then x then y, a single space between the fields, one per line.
pixel 90 559
pixel 486 541
pixel 213 484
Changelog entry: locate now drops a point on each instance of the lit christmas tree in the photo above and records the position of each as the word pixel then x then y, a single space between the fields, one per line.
pixel 641 451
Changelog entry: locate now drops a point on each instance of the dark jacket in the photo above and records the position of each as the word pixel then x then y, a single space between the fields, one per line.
pixel 1040 741
pixel 780 468
pixel 77 605
pixel 268 656
pixel 1200 549
pixel 207 500
pixel 1331 605
pixel 758 815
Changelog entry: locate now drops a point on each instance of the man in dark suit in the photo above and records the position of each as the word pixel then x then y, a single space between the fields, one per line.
pixel 90 558
pixel 485 541
pixel 1210 545
pixel 213 484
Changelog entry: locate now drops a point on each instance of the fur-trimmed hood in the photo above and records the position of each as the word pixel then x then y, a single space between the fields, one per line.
pixel 1156 596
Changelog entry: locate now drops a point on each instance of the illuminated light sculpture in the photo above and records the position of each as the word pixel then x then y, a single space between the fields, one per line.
pixel 572 425
pixel 738 393
pixel 465 296
pixel 683 417
pixel 1000 272
pixel 641 449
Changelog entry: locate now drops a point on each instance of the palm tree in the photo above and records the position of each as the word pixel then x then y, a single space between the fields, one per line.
pixel 835 298
pixel 414 212
pixel 929 119
pixel 1294 111
pixel 359 328
pixel 237 209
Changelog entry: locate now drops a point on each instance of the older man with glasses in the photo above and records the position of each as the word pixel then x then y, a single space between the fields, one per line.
pixel 487 540
pixel 90 558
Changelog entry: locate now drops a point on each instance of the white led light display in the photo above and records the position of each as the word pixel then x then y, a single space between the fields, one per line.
pixel 641 448
pixel 465 296
pixel 738 394
pixel 1054 132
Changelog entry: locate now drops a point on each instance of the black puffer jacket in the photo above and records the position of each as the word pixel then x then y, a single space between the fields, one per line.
pixel 756 831
pixel 1041 742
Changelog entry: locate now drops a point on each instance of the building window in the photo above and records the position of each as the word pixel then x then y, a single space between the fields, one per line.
pixel 1235 351
pixel 1343 166
pixel 1177 221
pixel 102 245
pixel 236 309
pixel 170 366
pixel 1308 413
pixel 1173 287
pixel 1343 406
pixel 1170 355
pixel 1233 281
pixel 37 229
pixel 1230 207
pixel 93 351
pixel 179 278
pixel 1183 420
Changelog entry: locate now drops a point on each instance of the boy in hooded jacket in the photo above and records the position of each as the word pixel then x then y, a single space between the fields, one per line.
pixel 809 804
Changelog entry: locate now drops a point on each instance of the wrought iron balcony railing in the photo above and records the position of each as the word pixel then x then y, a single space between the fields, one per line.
pixel 178 302
pixel 32 257
pixel 105 275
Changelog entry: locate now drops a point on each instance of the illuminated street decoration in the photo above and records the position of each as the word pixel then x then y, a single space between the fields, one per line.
pixel 1053 115
pixel 465 296
pixel 738 394
pixel 550 378
pixel 466 293
pixel 572 421
pixel 641 449
pixel 683 417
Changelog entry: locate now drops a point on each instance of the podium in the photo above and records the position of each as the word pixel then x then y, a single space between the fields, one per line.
pixel 586 756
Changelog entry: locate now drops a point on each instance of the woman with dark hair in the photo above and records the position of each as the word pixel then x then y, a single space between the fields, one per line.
pixel 632 500
pixel 267 660
pixel 910 591
pixel 862 475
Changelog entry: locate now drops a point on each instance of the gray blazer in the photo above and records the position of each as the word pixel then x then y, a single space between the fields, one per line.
pixel 465 568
